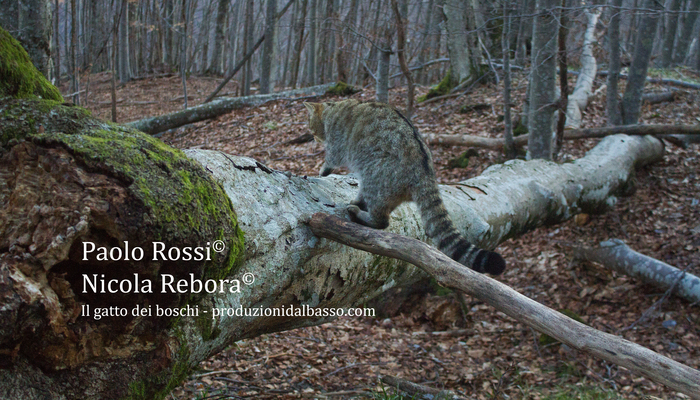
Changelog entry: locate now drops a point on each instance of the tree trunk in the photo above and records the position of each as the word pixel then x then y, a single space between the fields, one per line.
pixel 542 91
pixel 613 102
pixel 686 36
pixel 509 145
pixel 383 65
pixel 123 54
pixel 298 44
pixel 217 66
pixel 670 35
pixel 423 52
pixel 632 99
pixel 248 46
pixel 268 53
pixel 457 44
pixel 578 100
pixel 401 23
pixel 312 75
pixel 616 255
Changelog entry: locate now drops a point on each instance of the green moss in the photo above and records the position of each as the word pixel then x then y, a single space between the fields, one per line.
pixel 519 129
pixel 146 389
pixel 463 160
pixel 18 76
pixel 342 89
pixel 441 89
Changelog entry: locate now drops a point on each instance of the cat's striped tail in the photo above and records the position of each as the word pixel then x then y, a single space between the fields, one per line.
pixel 440 228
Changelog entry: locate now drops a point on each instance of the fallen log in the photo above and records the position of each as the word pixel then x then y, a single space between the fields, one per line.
pixel 616 255
pixel 660 131
pixel 672 82
pixel 223 105
pixel 451 274
pixel 662 97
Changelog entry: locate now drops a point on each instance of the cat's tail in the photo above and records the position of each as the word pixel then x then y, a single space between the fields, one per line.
pixel 440 228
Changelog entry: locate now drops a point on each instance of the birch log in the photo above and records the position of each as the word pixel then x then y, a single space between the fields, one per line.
pixel 616 255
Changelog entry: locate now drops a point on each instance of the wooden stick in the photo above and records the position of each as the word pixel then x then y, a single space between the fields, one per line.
pixel 453 275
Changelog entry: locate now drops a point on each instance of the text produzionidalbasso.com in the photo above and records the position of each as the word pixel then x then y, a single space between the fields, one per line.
pixel 291 311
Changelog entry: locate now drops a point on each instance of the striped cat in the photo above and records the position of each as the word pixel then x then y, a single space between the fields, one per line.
pixel 394 165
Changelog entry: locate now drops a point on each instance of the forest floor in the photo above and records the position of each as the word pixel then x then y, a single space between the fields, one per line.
pixel 485 354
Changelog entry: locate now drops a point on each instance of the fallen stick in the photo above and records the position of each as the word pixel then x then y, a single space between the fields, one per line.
pixel 451 274
pixel 418 391
pixel 616 255
pixel 661 131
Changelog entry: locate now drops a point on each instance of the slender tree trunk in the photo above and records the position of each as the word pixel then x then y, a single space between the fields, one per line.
pixel 248 46
pixel 422 53
pixel 632 99
pixel 523 23
pixel 670 35
pixel 268 53
pixel 542 90
pixel 457 44
pixel 509 148
pixel 183 51
pixel 312 76
pixel 124 71
pixel 217 61
pixel 401 23
pixel 613 102
pixel 57 45
pixel 686 36
pixel 383 65
pixel 75 73
pixel 563 82
pixel 298 44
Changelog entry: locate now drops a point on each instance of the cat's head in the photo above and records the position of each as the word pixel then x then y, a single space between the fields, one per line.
pixel 316 120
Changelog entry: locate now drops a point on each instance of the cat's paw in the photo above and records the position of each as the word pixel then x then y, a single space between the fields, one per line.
pixel 353 210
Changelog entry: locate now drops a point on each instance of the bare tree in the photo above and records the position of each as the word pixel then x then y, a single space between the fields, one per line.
pixel 632 99
pixel 542 90
pixel 613 103
pixel 686 35
pixel 268 54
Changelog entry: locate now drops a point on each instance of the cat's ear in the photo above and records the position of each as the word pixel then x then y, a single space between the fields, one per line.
pixel 314 108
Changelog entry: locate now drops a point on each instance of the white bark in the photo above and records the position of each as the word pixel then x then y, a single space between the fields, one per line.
pixel 578 99
pixel 292 266
pixel 616 255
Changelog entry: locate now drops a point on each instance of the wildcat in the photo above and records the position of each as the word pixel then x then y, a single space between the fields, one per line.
pixel 375 141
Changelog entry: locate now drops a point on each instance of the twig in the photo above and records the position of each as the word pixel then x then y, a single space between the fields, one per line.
pixel 656 304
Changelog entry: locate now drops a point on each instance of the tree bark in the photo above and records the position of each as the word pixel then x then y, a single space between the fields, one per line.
pixel 383 64
pixel 268 53
pixel 670 35
pixel 632 99
pixel 401 23
pixel 298 44
pixel 223 105
pixel 578 100
pixel 613 110
pixel 217 66
pixel 686 36
pixel 457 44
pixel 542 90
pixel 509 145
pixel 616 255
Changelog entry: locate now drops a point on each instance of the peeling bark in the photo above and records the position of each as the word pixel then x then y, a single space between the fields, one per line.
pixel 616 255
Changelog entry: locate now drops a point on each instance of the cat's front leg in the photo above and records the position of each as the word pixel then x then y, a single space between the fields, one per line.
pixel 325 170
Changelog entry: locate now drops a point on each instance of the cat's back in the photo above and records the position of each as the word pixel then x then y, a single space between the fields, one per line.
pixel 378 130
